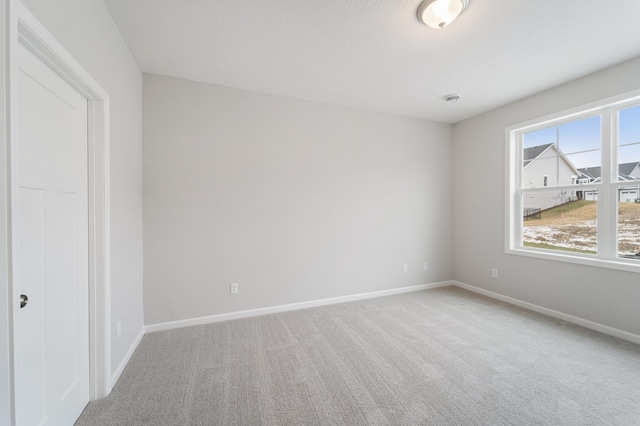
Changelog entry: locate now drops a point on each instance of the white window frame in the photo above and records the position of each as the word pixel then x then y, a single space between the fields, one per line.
pixel 607 187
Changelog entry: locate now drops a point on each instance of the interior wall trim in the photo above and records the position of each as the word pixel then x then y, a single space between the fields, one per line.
pixel 592 325
pixel 170 325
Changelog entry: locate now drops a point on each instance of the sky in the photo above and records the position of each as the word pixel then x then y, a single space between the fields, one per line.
pixel 580 140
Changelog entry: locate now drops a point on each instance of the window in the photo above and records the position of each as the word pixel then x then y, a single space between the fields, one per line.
pixel 586 206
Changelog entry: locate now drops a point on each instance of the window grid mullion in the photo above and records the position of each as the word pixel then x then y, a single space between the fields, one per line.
pixel 614 137
pixel 606 235
pixel 518 219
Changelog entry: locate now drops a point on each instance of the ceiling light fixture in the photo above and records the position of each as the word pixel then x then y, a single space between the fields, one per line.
pixel 440 13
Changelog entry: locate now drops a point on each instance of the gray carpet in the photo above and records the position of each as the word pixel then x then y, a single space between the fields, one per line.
pixel 436 357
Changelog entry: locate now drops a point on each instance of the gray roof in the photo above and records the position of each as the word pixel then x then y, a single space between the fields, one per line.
pixel 595 172
pixel 591 172
pixel 530 154
pixel 627 168
pixel 533 152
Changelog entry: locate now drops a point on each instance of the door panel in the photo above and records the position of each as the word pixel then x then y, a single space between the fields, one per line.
pixel 52 365
pixel 30 327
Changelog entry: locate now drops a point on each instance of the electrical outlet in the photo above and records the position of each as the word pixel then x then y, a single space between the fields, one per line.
pixel 494 273
pixel 405 268
pixel 426 266
pixel 234 288
pixel 118 329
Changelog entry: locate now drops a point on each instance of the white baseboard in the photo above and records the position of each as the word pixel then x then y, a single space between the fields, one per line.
pixel 116 374
pixel 289 307
pixel 605 329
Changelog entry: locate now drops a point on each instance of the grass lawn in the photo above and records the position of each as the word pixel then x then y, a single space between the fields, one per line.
pixel 566 208
pixel 572 227
pixel 567 214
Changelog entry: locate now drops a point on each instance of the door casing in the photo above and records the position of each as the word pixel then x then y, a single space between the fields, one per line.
pixel 25 29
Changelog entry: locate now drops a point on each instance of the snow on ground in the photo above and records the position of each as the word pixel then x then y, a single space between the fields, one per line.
pixel 582 236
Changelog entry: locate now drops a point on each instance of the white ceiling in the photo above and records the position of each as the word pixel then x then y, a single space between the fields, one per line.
pixel 375 54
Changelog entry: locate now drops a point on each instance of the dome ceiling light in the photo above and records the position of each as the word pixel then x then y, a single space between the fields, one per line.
pixel 440 13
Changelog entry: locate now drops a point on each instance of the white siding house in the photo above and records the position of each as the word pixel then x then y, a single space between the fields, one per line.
pixel 627 172
pixel 547 166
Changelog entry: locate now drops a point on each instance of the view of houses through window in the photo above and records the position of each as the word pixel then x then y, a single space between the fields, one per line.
pixel 562 183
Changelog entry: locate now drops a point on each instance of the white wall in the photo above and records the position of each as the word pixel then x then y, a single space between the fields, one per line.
pixel 293 200
pixel 85 28
pixel 606 296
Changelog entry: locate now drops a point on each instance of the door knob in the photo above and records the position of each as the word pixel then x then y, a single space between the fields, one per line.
pixel 23 300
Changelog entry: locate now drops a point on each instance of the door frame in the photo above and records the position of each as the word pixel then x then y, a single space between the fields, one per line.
pixel 25 29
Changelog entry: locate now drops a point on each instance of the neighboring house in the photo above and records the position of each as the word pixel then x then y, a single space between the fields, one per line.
pixel 630 171
pixel 546 165
pixel 627 172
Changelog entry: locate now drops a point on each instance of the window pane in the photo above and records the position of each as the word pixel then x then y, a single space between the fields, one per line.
pixel 629 127
pixel 629 222
pixel 561 220
pixel 560 152
pixel 580 135
pixel 629 144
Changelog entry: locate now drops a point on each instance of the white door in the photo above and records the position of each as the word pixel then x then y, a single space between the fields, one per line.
pixel 51 246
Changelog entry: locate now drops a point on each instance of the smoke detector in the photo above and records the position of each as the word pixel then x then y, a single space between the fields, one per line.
pixel 452 98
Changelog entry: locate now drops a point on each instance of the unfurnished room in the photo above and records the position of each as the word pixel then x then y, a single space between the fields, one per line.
pixel 339 212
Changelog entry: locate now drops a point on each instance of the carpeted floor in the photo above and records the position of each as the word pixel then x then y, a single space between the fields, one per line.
pixel 436 357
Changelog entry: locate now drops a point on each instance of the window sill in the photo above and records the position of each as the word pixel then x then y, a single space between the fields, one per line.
pixel 630 264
